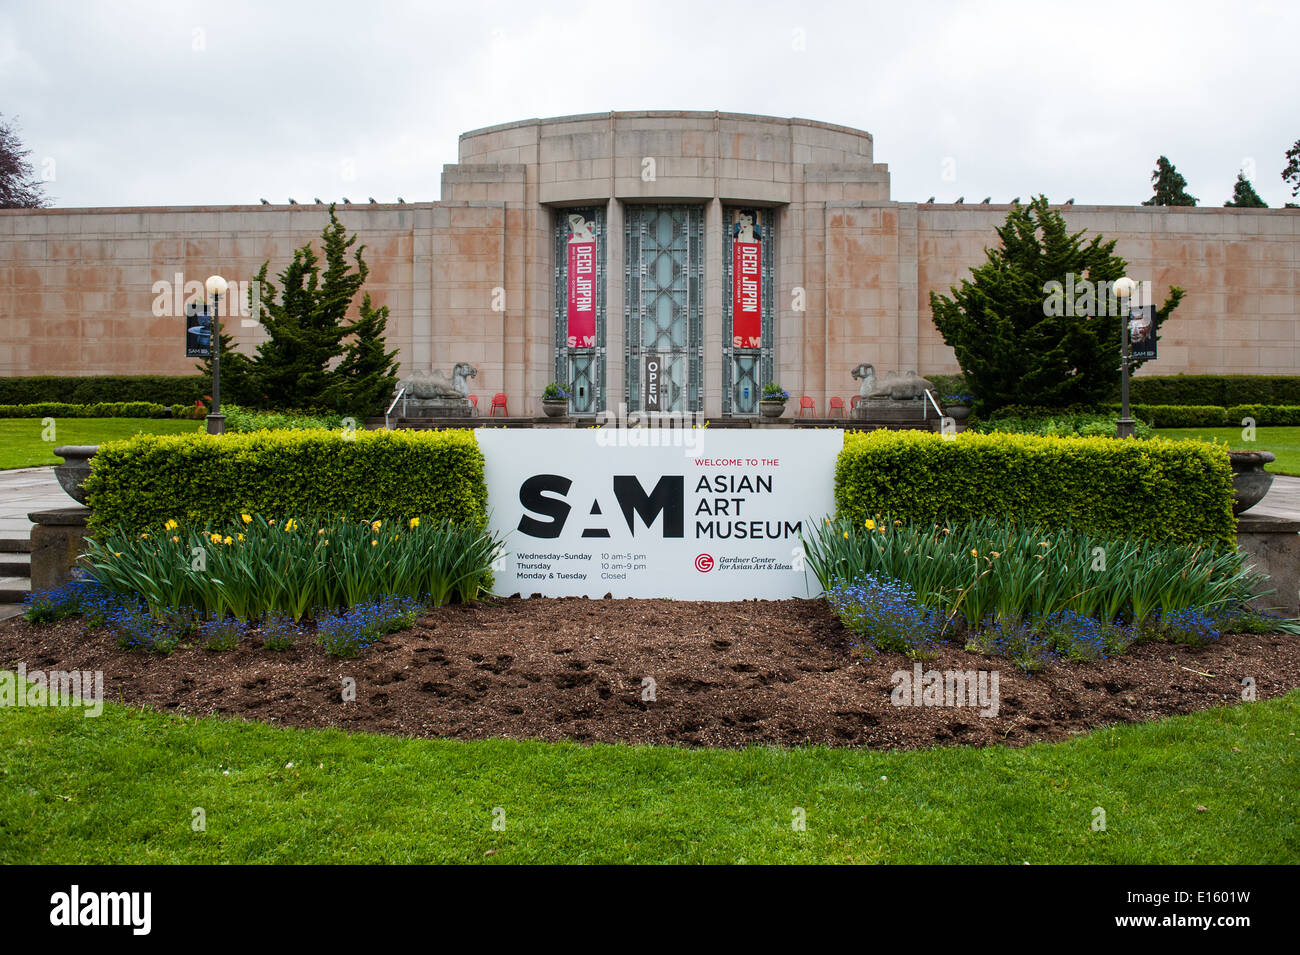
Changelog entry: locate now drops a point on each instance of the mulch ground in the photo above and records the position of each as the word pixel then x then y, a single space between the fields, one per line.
pixel 724 674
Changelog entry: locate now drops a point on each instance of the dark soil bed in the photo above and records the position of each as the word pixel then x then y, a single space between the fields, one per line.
pixel 725 674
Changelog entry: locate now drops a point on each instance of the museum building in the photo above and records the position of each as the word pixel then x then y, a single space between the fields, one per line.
pixel 707 253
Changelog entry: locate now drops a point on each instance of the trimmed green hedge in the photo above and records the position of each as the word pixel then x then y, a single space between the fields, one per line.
pixel 162 389
pixel 1264 414
pixel 149 479
pixel 1179 416
pixel 1157 489
pixel 106 409
pixel 1224 390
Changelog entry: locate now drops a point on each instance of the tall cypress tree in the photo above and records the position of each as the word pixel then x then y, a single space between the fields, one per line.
pixel 1013 346
pixel 1244 195
pixel 368 374
pixel 1170 186
pixel 304 321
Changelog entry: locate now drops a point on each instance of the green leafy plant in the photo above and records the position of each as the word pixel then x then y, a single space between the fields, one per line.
pixel 296 568
pixel 556 391
pixel 774 392
pixel 990 570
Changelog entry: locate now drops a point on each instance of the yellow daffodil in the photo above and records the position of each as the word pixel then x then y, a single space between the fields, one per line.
pixel 374 543
pixel 869 524
pixel 320 532
pixel 415 522
pixel 995 553
pixel 290 524
pixel 170 525
pixel 974 552
pixel 215 538
pixel 144 537
pixel 227 541
pixel 846 535
pixel 246 518
pixel 375 526
pixel 241 537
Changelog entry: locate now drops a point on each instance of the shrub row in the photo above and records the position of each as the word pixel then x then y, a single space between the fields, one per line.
pixel 1224 390
pixel 1158 489
pixel 163 389
pixel 1213 416
pixel 103 409
pixel 195 478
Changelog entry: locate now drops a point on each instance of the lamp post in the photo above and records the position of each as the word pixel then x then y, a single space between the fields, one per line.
pixel 216 287
pixel 1123 290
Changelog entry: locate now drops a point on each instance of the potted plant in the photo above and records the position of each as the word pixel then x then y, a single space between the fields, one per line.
pixel 555 400
pixel 957 406
pixel 772 402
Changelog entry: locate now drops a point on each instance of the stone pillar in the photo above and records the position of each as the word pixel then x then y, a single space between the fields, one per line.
pixel 1272 545
pixel 56 544
pixel 615 315
pixel 711 366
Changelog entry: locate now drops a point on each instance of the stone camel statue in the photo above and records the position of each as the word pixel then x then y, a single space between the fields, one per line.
pixel 433 384
pixel 896 385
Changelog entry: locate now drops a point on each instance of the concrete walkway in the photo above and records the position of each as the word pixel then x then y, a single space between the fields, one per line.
pixel 23 490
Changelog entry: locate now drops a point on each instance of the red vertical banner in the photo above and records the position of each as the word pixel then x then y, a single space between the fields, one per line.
pixel 582 294
pixel 746 305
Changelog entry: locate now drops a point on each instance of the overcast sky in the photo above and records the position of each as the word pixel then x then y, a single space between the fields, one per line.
pixel 201 103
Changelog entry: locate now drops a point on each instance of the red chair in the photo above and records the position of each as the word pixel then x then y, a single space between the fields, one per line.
pixel 498 401
pixel 807 404
pixel 853 402
pixel 837 404
pixel 473 399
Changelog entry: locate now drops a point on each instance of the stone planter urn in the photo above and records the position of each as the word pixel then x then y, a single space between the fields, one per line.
pixel 771 409
pixel 74 470
pixel 555 407
pixel 1250 482
pixel 957 412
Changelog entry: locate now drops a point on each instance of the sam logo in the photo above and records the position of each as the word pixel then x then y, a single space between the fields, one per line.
pixel 547 511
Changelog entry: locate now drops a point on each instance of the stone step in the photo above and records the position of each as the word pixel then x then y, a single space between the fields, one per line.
pixel 16 566
pixel 15 545
pixel 14 591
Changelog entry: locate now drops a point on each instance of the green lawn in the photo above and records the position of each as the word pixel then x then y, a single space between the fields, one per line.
pixel 23 444
pixel 1284 442
pixel 123 788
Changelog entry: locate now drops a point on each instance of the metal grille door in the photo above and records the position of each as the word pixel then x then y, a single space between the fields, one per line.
pixel 663 307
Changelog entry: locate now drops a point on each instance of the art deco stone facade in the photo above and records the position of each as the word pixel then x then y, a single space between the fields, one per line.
pixel 472 277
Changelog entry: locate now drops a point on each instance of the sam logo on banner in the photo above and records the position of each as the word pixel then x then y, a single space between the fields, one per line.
pixel 582 282
pixel 746 279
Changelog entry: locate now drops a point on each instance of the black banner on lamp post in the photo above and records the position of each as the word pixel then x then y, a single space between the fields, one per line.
pixel 198 332
pixel 1142 333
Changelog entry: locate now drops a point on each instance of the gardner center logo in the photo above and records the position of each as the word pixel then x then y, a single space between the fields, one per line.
pixel 704 563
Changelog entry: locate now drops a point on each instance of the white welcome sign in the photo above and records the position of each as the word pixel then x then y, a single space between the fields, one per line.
pixel 646 512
